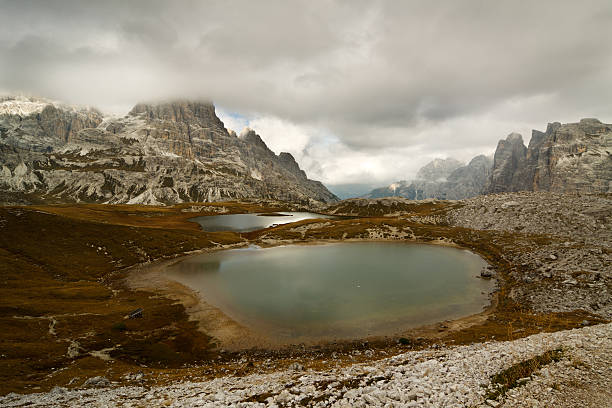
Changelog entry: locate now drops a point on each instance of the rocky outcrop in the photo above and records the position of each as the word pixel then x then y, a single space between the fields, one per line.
pixel 442 179
pixel 508 159
pixel 157 154
pixel 573 157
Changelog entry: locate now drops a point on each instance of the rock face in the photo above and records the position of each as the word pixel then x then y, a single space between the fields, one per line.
pixel 509 158
pixel 157 154
pixel 442 179
pixel 574 157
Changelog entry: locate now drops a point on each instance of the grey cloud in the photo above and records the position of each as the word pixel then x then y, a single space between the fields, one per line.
pixel 376 74
pixel 150 32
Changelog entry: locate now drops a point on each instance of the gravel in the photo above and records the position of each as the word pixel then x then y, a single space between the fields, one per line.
pixel 571 269
pixel 437 377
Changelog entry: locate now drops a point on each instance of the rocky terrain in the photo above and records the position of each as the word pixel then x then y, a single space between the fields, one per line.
pixel 570 269
pixel 157 154
pixel 573 157
pixel 551 254
pixel 451 377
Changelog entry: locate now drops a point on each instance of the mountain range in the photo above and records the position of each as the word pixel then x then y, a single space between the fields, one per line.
pixel 180 151
pixel 156 154
pixel 573 157
pixel 442 179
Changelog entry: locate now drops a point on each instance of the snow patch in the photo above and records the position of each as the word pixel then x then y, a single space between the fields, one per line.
pixel 256 174
pixel 21 107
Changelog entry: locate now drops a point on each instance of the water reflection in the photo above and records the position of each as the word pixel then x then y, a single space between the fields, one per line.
pixel 338 290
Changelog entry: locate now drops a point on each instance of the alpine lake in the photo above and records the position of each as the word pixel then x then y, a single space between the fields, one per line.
pixel 322 292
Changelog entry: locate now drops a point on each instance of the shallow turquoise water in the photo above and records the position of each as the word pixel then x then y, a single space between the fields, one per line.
pixel 251 222
pixel 338 290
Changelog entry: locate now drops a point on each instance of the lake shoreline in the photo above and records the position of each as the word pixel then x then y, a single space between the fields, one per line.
pixel 232 336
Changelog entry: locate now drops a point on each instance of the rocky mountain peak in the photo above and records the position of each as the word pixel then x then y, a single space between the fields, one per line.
pixel 593 126
pixel 251 137
pixel 590 121
pixel 190 112
pixel 288 161
pixel 481 160
pixel 514 138
pixel 552 127
pixel 438 169
pixel 509 156
pixel 572 157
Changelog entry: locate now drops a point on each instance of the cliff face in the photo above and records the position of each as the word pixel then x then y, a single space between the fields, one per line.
pixel 573 157
pixel 508 159
pixel 157 154
pixel 442 179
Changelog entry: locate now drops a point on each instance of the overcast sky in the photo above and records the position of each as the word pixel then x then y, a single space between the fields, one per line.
pixel 357 91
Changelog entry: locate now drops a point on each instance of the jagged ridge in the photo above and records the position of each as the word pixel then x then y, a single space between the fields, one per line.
pixel 157 154
pixel 573 157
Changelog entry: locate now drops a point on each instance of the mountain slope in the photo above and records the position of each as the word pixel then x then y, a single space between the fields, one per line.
pixel 157 154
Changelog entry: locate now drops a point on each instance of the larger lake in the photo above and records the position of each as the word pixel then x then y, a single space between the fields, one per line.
pixel 344 290
pixel 252 222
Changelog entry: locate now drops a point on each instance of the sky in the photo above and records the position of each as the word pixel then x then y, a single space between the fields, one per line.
pixel 360 92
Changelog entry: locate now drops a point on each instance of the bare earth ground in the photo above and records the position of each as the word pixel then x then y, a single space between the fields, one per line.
pixel 65 291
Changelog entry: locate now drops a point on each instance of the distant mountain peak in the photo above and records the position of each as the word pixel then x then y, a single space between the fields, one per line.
pixel 441 179
pixel 438 169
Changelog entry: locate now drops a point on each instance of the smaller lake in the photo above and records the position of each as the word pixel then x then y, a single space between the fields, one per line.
pixel 332 291
pixel 252 222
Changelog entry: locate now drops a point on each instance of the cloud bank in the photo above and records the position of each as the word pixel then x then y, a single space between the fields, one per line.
pixel 357 91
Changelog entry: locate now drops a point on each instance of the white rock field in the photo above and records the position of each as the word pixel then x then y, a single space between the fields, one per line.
pixel 442 377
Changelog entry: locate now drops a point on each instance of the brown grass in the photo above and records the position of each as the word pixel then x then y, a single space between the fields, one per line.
pixel 68 268
pixel 509 378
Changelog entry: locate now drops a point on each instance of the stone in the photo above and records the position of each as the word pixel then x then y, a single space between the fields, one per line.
pixel 296 367
pixel 96 382
pixel 509 204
